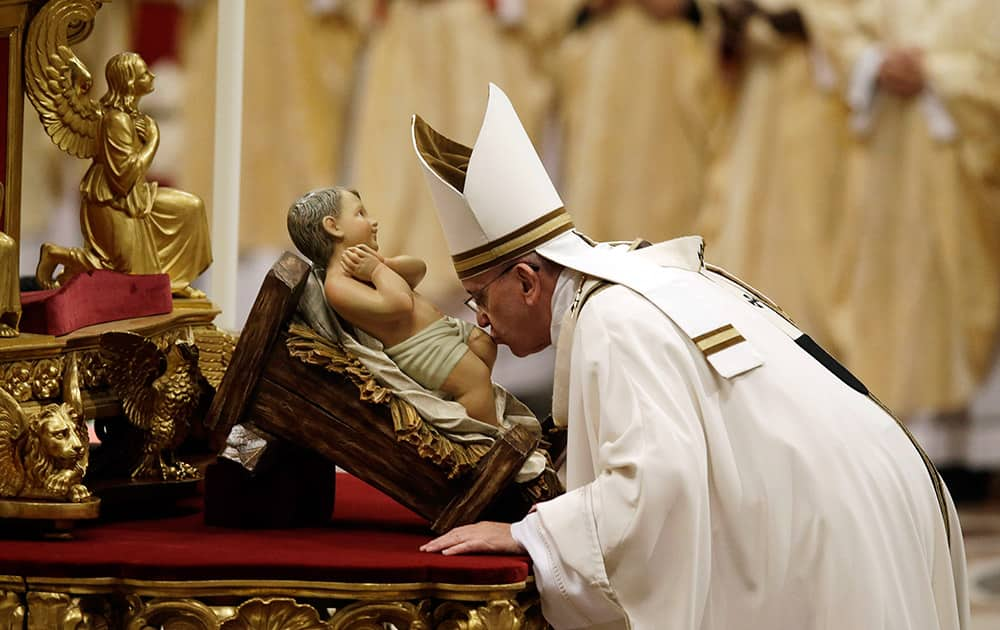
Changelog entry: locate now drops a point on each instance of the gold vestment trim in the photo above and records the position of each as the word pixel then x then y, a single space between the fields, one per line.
pixel 512 245
pixel 718 340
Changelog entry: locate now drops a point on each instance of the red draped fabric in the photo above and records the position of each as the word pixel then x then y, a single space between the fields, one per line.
pixel 371 539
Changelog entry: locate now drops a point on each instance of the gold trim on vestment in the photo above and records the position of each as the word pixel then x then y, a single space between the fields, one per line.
pixel 512 245
pixel 751 289
pixel 718 340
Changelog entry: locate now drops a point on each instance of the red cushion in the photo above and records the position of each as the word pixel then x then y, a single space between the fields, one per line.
pixel 372 539
pixel 93 298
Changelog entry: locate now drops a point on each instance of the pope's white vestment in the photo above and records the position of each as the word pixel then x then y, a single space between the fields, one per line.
pixel 775 497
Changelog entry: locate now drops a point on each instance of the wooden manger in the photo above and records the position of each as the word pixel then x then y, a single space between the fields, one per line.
pixel 287 382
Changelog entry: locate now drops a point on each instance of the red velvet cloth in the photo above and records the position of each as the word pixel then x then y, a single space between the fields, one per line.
pixel 92 298
pixel 372 539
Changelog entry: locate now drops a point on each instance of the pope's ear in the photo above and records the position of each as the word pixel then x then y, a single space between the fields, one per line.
pixel 330 227
pixel 530 283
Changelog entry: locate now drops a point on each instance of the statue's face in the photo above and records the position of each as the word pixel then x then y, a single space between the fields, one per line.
pixel 144 78
pixel 58 437
pixel 356 225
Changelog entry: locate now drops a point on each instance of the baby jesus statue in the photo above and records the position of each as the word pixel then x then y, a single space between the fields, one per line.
pixel 376 294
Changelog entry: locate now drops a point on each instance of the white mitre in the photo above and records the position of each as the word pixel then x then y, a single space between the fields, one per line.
pixel 496 203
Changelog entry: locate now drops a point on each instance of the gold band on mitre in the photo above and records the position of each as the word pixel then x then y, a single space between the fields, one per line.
pixel 512 245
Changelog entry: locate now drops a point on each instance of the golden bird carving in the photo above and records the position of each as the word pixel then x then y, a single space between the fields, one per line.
pixel 159 390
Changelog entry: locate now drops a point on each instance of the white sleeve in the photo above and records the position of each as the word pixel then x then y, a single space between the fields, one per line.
pixel 510 12
pixel 555 587
pixel 861 89
pixel 939 121
pixel 637 538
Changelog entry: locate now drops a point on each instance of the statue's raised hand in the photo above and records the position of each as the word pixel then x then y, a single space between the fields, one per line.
pixel 145 128
pixel 360 261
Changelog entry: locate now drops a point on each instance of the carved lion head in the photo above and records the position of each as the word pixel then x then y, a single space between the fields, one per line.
pixel 55 429
pixel 55 454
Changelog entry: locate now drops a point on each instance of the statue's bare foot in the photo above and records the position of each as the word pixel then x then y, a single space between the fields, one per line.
pixel 7 331
pixel 48 260
pixel 189 292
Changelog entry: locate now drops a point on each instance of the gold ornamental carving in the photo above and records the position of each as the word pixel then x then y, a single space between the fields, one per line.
pixel 280 613
pixel 44 454
pixel 16 379
pixel 41 379
pixel 92 371
pixel 46 378
pixel 375 616
pixel 11 611
pixel 496 615
pixel 56 611
pixel 169 614
pixel 304 344
pixel 129 224
pixel 111 608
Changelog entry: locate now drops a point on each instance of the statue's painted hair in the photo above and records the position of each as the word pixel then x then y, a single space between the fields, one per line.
pixel 305 222
pixel 121 72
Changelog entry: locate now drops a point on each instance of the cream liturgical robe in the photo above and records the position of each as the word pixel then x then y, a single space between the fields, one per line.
pixel 917 286
pixel 752 489
pixel 636 102
pixel 299 73
pixel 773 200
pixel 433 57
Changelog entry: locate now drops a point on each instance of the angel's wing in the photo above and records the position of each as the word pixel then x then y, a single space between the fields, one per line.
pixel 12 423
pixel 133 363
pixel 56 81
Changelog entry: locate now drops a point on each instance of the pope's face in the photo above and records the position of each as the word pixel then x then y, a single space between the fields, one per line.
pixel 356 225
pixel 513 304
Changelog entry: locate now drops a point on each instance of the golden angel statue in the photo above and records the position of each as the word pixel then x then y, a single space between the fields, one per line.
pixel 129 224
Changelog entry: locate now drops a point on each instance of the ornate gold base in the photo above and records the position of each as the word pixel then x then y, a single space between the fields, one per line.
pixel 218 605
pixel 49 510
pixel 35 370
pixel 44 519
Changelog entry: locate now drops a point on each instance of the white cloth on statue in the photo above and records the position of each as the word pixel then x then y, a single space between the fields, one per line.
pixel 777 498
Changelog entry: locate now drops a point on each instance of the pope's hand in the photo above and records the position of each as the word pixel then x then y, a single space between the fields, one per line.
pixel 481 537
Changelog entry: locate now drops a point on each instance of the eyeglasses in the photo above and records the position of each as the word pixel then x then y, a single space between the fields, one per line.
pixel 474 300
